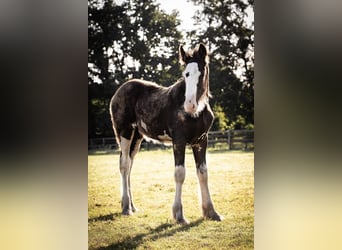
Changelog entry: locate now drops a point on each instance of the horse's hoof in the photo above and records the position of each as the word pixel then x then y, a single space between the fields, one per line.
pixel 212 215
pixel 216 217
pixel 182 221
pixel 127 212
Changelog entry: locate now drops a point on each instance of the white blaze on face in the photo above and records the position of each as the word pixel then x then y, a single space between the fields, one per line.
pixel 191 75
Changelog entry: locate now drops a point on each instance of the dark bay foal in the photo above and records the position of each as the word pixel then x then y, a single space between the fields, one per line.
pixel 179 114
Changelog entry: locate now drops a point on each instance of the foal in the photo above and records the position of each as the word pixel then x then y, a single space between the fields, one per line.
pixel 179 114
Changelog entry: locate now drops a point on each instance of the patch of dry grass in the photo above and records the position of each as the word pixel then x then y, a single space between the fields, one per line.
pixel 231 183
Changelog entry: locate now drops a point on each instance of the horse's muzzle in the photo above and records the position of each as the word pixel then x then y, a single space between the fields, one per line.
pixel 190 106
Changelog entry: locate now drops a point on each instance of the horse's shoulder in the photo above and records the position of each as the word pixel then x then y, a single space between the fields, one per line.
pixel 177 90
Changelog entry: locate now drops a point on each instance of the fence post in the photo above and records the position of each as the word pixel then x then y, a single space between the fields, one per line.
pixel 229 140
pixel 246 139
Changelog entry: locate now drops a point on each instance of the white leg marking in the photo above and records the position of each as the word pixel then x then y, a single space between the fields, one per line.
pixel 125 164
pixel 179 179
pixel 202 175
pixel 177 208
pixel 207 204
pixel 134 152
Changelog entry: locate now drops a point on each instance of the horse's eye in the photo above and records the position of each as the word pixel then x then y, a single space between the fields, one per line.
pixel 187 74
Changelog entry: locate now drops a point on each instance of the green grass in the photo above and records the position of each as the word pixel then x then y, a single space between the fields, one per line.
pixel 231 183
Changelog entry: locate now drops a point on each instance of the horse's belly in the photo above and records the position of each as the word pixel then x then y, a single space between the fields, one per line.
pixel 156 133
pixel 164 137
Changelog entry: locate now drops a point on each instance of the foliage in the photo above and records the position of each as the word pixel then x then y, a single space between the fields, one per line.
pixel 221 121
pixel 132 40
pixel 124 37
pixel 232 188
pixel 222 25
pixel 136 39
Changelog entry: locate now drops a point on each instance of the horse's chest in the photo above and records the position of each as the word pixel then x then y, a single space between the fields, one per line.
pixel 193 127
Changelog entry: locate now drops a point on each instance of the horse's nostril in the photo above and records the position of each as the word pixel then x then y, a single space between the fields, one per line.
pixel 193 106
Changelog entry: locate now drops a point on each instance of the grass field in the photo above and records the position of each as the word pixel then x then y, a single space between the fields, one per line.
pixel 231 183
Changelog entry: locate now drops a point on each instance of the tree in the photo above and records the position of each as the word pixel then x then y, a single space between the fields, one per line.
pixel 132 40
pixel 138 40
pixel 222 25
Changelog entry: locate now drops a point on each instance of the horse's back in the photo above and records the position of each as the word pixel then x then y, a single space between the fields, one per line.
pixel 133 89
pixel 124 101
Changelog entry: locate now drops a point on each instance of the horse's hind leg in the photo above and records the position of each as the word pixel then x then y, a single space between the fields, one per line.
pixel 130 142
pixel 125 139
pixel 135 146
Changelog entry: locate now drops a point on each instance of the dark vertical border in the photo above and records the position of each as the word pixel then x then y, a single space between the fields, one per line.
pixel 43 156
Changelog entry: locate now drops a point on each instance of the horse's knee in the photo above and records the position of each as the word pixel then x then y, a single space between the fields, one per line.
pixel 180 174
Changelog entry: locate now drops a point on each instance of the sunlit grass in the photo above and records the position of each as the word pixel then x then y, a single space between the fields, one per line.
pixel 231 182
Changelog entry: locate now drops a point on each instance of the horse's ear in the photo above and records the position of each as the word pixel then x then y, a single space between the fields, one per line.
pixel 203 52
pixel 182 55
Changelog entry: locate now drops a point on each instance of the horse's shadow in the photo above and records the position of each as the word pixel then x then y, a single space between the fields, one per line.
pixel 107 217
pixel 155 233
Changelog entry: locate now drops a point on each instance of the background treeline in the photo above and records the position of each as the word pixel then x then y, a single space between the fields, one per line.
pixel 138 39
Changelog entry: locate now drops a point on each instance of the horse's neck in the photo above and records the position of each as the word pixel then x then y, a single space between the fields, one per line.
pixel 178 86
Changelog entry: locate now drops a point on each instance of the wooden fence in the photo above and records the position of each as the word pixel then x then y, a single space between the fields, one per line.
pixel 234 139
pixel 229 139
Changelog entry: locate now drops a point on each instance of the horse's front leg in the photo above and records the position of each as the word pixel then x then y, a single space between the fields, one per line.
pixel 177 208
pixel 199 151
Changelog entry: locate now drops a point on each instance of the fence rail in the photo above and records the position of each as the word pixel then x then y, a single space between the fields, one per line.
pixel 230 139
